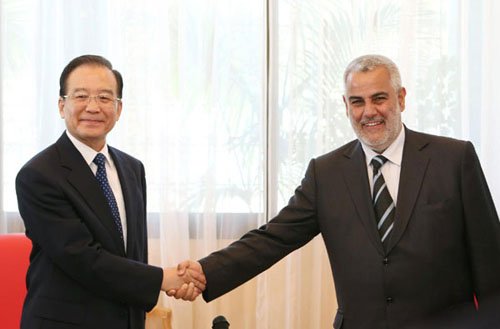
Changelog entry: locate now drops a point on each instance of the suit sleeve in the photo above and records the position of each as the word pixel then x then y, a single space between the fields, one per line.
pixel 63 241
pixel 259 249
pixel 482 227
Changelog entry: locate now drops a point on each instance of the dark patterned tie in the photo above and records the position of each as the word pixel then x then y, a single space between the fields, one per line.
pixel 382 201
pixel 102 178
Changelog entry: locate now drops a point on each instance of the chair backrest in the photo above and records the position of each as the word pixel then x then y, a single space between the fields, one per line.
pixel 14 261
pixel 159 318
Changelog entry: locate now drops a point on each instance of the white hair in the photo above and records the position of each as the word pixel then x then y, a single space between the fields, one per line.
pixel 370 62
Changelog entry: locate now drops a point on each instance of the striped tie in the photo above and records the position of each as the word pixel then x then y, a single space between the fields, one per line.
pixel 382 201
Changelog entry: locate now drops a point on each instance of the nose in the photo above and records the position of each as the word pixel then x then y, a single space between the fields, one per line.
pixel 370 110
pixel 93 104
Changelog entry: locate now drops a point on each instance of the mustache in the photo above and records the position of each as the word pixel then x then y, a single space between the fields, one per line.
pixel 365 121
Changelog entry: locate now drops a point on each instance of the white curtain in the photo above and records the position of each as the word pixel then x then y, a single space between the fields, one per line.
pixel 226 101
pixel 487 109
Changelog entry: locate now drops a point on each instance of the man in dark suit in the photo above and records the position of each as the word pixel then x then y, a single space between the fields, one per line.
pixel 407 218
pixel 84 208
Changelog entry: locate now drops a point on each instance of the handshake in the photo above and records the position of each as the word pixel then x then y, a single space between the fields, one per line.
pixel 186 282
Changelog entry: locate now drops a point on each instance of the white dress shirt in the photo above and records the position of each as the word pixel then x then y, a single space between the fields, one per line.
pixel 392 168
pixel 89 154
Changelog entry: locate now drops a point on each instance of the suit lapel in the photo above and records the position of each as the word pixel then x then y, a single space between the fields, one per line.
pixel 413 167
pixel 125 174
pixel 83 180
pixel 356 179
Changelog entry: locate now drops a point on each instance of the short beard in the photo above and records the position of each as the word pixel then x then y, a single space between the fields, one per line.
pixel 382 144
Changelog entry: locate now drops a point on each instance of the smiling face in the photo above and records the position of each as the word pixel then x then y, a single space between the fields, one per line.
pixel 90 123
pixel 374 107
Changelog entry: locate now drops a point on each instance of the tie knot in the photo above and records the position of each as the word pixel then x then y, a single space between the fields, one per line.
pixel 99 160
pixel 378 161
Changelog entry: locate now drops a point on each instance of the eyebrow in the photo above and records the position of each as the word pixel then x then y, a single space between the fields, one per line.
pixel 109 91
pixel 381 93
pixel 355 98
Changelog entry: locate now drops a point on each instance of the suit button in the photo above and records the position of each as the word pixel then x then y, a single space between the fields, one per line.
pixel 390 300
pixel 385 261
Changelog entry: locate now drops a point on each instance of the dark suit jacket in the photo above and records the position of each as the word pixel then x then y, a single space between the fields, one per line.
pixel 79 274
pixel 445 245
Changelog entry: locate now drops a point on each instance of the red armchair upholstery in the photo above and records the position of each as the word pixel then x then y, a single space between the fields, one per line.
pixel 14 260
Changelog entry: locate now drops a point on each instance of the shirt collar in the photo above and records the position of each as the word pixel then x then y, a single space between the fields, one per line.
pixel 394 153
pixel 86 151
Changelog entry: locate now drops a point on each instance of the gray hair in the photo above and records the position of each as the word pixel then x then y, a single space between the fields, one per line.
pixel 370 62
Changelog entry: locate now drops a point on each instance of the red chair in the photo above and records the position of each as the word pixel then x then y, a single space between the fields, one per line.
pixel 14 260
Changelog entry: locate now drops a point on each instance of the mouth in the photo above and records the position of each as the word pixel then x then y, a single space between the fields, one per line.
pixel 91 121
pixel 370 124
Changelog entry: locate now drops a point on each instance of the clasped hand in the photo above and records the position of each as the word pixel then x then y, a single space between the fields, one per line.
pixel 186 282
